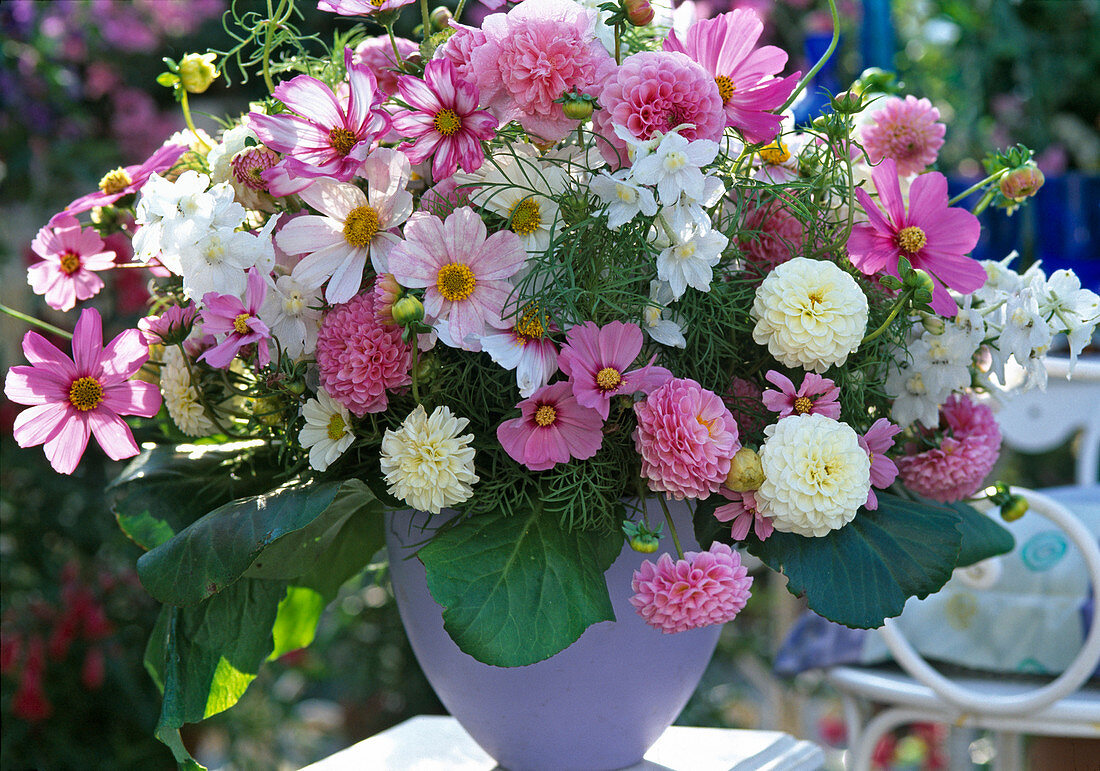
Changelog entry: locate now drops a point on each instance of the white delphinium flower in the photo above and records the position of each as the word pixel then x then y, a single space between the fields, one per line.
pixel 913 400
pixel 690 258
pixel 292 312
pixel 657 321
pixel 624 197
pixel 1025 332
pixel 816 474
pixel 327 433
pixel 220 259
pixel 1071 310
pixel 810 314
pixel 426 463
pixel 181 398
pixel 946 358
pixel 689 209
pixel 636 149
pixel 969 322
pixel 675 167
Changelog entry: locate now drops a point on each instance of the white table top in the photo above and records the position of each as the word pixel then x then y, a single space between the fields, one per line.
pixel 433 743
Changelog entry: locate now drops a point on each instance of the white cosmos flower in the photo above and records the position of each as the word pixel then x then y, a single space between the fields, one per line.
pixel 625 198
pixel 292 312
pixel 327 432
pixel 675 167
pixel 690 259
pixel 426 463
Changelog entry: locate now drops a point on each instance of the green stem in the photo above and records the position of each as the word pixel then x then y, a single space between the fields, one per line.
pixel 671 526
pixel 427 22
pixel 36 322
pixel 187 118
pixel 978 186
pixel 210 411
pixel 820 62
pixel 984 202
pixel 458 9
pixel 618 41
pixel 901 302
pixel 415 359
pixel 397 58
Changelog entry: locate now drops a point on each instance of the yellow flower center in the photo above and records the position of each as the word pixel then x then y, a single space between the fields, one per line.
pixel 447 122
pixel 775 153
pixel 342 140
pixel 70 263
pixel 608 378
pixel 240 324
pixel 85 393
pixel 361 226
pixel 115 181
pixel 532 324
pixel 545 415
pixel 336 427
pixel 708 423
pixel 912 239
pixel 455 281
pixel 725 88
pixel 803 404
pixel 526 217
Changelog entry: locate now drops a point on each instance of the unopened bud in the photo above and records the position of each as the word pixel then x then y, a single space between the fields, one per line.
pixel 921 284
pixel 440 17
pixel 848 103
pixel 638 12
pixel 197 72
pixel 746 473
pixel 932 323
pixel 1022 182
pixel 577 107
pixel 407 310
pixel 1015 508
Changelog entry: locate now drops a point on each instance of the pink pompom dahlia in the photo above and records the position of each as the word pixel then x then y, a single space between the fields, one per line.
pixel 71 399
pixel 817 394
pixel 360 358
pixel 70 256
pixel 459 49
pixel 686 438
pixel 703 588
pixel 551 429
pixel 970 446
pixel 907 131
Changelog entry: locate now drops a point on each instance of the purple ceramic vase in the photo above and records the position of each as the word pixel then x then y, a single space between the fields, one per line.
pixel 597 705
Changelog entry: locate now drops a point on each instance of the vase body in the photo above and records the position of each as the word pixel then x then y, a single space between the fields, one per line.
pixel 595 706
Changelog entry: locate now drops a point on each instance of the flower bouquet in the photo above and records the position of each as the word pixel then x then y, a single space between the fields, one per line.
pixel 527 276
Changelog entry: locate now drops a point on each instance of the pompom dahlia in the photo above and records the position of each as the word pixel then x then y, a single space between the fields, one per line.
pixel 907 131
pixel 704 588
pixel 426 463
pixel 181 396
pixel 359 358
pixel 551 429
pixel 686 438
pixel 70 256
pixel 970 447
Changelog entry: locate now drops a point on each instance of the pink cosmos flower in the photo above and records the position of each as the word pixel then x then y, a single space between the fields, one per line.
pixel 72 398
pixel 704 588
pixel 744 513
pixel 686 438
pixel 330 136
pixel 376 53
pixel 970 446
pixel 70 256
pixel 750 92
pixel 816 395
pixel 526 349
pixel 359 7
pixel 656 91
pixel 238 321
pixel 444 121
pixel 932 236
pixel 552 429
pixel 463 271
pixel 907 131
pixel 123 181
pixel 878 440
pixel 531 56
pixel 596 359
pixel 171 327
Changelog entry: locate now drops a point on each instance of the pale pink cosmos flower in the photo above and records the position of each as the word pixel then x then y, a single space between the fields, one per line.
pixel 359 7
pixel 703 588
pixel 596 360
pixel 465 273
pixel 878 440
pixel 171 327
pixel 743 514
pixel 225 314
pixel 377 54
pixel 931 236
pixel 70 255
pixel 444 120
pixel 330 136
pixel 816 395
pixel 551 429
pixel 526 349
pixel 906 130
pixel 686 438
pixel 745 76
pixel 71 399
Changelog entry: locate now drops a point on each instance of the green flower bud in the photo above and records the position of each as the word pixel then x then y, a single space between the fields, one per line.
pixel 1022 182
pixel 1015 508
pixel 197 72
pixel 746 473
pixel 407 310
pixel 440 17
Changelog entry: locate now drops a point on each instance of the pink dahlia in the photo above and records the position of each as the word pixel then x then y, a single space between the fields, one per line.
pixel 459 50
pixel 745 76
pixel 777 238
pixel 816 395
pixel 703 588
pixel 907 131
pixel 376 53
pixel 744 514
pixel 596 360
pixel 970 446
pixel 551 429
pixel 444 120
pixel 71 399
pixel 225 314
pixel 656 91
pixel 879 440
pixel 70 256
pixel 531 56
pixel 330 136
pixel 686 438
pixel 359 358
pixel 932 236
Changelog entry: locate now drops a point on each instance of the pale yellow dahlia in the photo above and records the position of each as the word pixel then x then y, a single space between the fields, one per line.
pixel 181 398
pixel 426 463
pixel 816 475
pixel 810 314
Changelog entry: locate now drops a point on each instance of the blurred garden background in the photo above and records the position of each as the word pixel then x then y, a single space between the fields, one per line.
pixel 79 97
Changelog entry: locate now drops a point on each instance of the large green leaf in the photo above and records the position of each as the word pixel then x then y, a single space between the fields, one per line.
pixel 982 536
pixel 536 589
pixel 865 571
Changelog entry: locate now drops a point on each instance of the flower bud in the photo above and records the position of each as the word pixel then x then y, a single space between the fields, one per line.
pixel 746 473
pixel 848 103
pixel 407 310
pixel 577 107
pixel 638 12
pixel 1022 182
pixel 1015 508
pixel 920 282
pixel 932 323
pixel 440 17
pixel 197 72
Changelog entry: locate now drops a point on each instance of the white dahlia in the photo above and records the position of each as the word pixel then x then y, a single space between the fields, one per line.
pixel 327 432
pixel 426 463
pixel 810 314
pixel 181 398
pixel 816 475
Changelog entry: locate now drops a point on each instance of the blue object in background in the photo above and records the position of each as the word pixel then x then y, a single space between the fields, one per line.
pixel 877 35
pixel 825 82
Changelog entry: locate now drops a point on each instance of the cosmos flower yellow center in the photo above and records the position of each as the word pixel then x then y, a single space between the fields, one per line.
pixel 115 181
pixel 361 226
pixel 803 404
pixel 341 140
pixel 912 239
pixel 240 324
pixel 526 217
pixel 608 378
pixel 455 281
pixel 447 122
pixel 70 263
pixel 725 88
pixel 336 426
pixel 85 393
pixel 775 153
pixel 545 415
pixel 532 324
